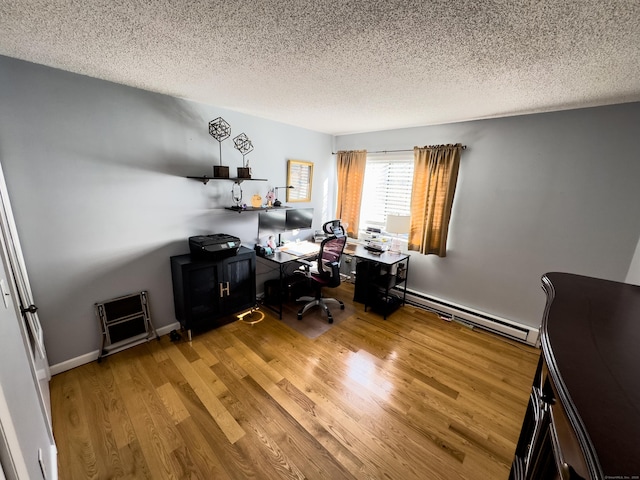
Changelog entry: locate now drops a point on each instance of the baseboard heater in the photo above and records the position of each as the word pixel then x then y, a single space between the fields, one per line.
pixel 474 318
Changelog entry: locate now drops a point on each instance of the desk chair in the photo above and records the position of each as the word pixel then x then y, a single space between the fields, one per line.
pixel 327 274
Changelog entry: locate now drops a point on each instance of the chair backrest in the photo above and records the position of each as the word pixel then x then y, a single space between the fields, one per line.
pixel 329 259
pixel 333 227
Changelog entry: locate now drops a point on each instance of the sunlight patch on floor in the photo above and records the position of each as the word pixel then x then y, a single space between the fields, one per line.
pixel 364 372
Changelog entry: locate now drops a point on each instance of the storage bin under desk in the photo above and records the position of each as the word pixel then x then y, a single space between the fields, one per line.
pixel 376 276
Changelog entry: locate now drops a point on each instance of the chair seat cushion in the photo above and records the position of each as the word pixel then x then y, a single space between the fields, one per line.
pixel 322 280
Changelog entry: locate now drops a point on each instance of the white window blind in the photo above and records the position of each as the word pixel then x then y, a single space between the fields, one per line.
pixel 387 189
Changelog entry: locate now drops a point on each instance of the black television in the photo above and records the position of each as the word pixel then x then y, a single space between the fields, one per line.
pixel 299 218
pixel 272 222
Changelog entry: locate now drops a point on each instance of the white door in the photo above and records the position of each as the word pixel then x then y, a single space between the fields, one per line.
pixel 24 368
pixel 27 447
pixel 18 274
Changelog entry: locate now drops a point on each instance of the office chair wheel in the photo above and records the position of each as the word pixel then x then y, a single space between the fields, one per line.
pixel 299 316
pixel 330 319
pixel 341 306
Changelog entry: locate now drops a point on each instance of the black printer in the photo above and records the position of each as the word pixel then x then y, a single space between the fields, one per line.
pixel 213 247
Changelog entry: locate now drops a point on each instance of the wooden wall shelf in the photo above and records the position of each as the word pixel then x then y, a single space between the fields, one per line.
pixel 205 179
pixel 255 209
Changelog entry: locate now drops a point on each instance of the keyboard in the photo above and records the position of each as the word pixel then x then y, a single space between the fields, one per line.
pixel 301 249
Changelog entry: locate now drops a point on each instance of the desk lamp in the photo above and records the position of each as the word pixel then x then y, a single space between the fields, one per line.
pixel 278 203
pixel 397 224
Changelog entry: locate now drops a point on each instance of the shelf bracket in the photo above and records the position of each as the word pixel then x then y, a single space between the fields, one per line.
pixel 204 179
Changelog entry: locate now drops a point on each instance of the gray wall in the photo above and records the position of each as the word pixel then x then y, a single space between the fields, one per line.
pixel 96 176
pixel 96 172
pixel 536 193
pixel 633 276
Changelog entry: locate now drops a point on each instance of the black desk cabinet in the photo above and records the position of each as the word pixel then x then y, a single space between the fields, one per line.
pixel 376 275
pixel 207 292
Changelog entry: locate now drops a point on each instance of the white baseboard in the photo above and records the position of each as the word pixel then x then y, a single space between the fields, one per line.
pixel 74 362
pixel 93 356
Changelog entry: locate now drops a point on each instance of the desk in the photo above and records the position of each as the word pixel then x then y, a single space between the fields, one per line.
pixel 285 256
pixel 378 273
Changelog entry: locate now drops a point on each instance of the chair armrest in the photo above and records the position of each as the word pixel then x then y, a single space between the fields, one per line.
pixel 307 267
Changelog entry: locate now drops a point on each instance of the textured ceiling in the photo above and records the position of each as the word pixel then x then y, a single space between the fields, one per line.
pixel 345 66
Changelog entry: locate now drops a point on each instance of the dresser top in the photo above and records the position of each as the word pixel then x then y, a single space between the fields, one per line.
pixel 591 340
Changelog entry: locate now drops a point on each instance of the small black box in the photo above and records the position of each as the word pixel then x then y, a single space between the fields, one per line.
pixel 214 247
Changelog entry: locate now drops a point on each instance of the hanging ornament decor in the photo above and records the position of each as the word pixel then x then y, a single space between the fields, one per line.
pixel 236 195
pixel 220 130
pixel 244 146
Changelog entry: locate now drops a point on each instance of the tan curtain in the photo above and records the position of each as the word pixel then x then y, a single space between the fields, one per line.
pixel 434 184
pixel 351 166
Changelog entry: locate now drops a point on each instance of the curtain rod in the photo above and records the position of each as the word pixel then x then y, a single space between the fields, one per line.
pixel 464 147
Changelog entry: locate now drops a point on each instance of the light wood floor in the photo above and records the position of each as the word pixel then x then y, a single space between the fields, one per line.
pixel 412 397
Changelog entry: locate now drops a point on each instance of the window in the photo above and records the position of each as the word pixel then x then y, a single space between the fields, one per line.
pixel 387 189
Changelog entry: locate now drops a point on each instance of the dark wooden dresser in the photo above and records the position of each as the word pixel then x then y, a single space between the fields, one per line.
pixel 583 418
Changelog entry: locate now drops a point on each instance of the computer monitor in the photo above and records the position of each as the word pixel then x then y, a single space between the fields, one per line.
pixel 272 222
pixel 299 218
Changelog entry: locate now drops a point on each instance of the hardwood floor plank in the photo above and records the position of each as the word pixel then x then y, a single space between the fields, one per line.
pixel 231 460
pixel 216 345
pixel 216 386
pixel 203 352
pixel 96 406
pixel 207 396
pixel 270 405
pixel 265 425
pixel 201 450
pixel 134 462
pixel 263 451
pixel 407 398
pixel 343 463
pixel 172 403
pixel 152 445
pixel 148 395
pixel 325 422
pixel 317 377
pixel 258 364
pixel 71 428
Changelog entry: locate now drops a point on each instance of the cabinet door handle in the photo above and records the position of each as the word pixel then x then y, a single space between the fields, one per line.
pixel 224 287
pixel 568 473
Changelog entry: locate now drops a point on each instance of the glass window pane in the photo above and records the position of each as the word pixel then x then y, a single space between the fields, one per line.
pixel 387 190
